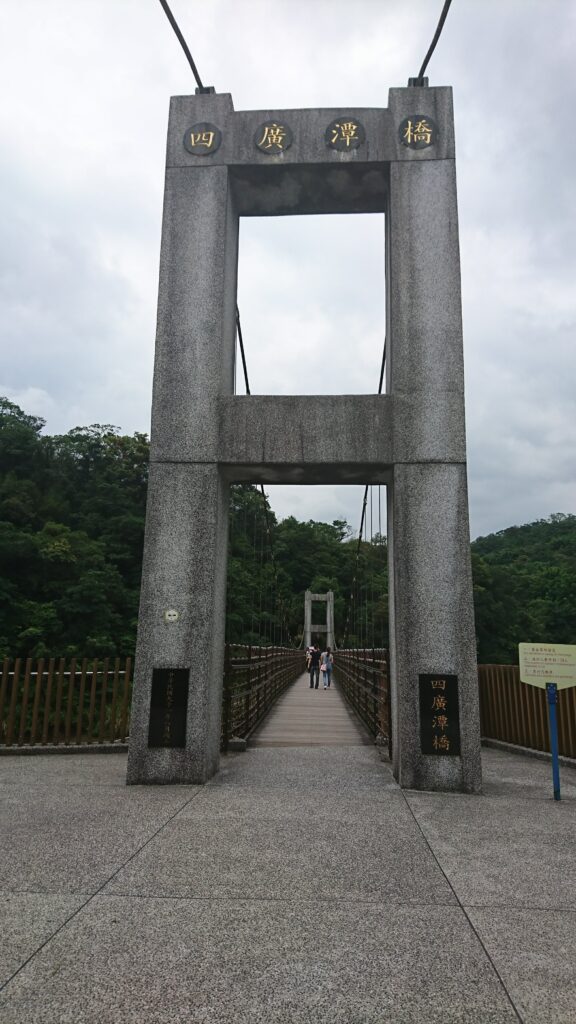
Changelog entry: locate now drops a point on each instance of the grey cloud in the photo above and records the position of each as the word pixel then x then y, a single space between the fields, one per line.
pixel 83 204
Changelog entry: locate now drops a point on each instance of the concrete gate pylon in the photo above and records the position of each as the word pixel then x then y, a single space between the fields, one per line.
pixel 311 628
pixel 222 165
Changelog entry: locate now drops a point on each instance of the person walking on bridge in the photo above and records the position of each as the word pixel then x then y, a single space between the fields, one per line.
pixel 326 664
pixel 315 666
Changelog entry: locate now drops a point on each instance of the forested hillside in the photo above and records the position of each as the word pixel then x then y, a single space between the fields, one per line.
pixel 72 513
pixel 264 605
pixel 71 527
pixel 525 587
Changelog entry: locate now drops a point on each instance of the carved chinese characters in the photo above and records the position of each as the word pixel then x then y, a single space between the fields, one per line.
pixel 439 715
pixel 418 132
pixel 344 134
pixel 202 139
pixel 168 707
pixel 273 137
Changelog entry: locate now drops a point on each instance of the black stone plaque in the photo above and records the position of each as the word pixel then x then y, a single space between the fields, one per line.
pixel 168 707
pixel 273 137
pixel 345 134
pixel 202 139
pixel 418 132
pixel 439 717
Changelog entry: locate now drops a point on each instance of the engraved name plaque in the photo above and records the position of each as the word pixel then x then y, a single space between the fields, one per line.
pixel 439 714
pixel 168 707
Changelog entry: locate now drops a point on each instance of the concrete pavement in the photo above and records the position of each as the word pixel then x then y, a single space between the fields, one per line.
pixel 299 885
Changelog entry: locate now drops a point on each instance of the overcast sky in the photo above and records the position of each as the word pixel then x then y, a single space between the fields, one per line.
pixel 85 87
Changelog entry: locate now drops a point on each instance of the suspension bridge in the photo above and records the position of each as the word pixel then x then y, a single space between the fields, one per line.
pixel 268 862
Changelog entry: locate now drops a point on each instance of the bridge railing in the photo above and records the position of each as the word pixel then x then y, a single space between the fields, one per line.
pixel 513 712
pixel 59 702
pixel 254 678
pixel 64 702
pixel 362 677
pixel 510 711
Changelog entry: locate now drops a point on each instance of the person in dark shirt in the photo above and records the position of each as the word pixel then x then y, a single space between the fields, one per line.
pixel 315 667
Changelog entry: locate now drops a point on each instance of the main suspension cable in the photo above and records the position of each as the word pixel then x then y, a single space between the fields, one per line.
pixel 364 503
pixel 242 353
pixel 262 491
pixel 183 43
pixel 434 42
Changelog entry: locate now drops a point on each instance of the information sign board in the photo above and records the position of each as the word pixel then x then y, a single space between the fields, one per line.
pixel 548 663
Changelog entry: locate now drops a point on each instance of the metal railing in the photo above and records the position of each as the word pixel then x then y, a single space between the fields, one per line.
pixel 362 677
pixel 516 713
pixel 55 702
pixel 80 702
pixel 254 678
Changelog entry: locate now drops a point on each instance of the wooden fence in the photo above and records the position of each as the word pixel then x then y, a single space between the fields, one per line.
pixel 517 713
pixel 54 702
pixel 51 702
pixel 510 710
pixel 362 677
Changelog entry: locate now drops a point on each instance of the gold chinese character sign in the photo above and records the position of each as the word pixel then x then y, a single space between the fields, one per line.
pixel 418 132
pixel 272 137
pixel 345 134
pixel 439 715
pixel 202 139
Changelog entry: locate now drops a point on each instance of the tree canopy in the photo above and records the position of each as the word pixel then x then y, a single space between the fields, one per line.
pixel 71 528
pixel 72 510
pixel 525 587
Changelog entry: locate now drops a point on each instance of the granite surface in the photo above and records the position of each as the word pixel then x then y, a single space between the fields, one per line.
pixel 300 884
pixel 204 437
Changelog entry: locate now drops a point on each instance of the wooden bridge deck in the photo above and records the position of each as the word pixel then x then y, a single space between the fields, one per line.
pixel 311 718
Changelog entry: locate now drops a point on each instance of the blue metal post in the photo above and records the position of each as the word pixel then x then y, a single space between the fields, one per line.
pixel 552 694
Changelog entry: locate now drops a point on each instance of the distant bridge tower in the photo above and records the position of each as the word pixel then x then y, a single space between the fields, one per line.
pixel 309 628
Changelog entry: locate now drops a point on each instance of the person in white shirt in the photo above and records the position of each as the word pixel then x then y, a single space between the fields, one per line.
pixel 326 664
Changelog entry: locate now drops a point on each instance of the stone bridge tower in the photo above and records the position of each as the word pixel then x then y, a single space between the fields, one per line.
pixel 222 165
pixel 310 628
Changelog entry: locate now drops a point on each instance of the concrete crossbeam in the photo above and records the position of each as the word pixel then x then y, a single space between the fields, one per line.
pixel 283 438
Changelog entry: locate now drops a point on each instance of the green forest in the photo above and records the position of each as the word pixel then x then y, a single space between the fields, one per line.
pixel 72 511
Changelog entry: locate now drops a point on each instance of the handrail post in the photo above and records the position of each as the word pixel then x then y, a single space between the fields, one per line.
pixel 227 698
pixel 248 694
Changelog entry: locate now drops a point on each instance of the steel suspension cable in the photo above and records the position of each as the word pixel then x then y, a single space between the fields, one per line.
pixel 358 545
pixel 419 80
pixel 434 42
pixel 183 44
pixel 242 353
pixel 262 491
pixel 371 559
pixel 364 502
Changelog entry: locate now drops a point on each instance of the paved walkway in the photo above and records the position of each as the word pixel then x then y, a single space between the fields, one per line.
pixel 305 717
pixel 300 885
